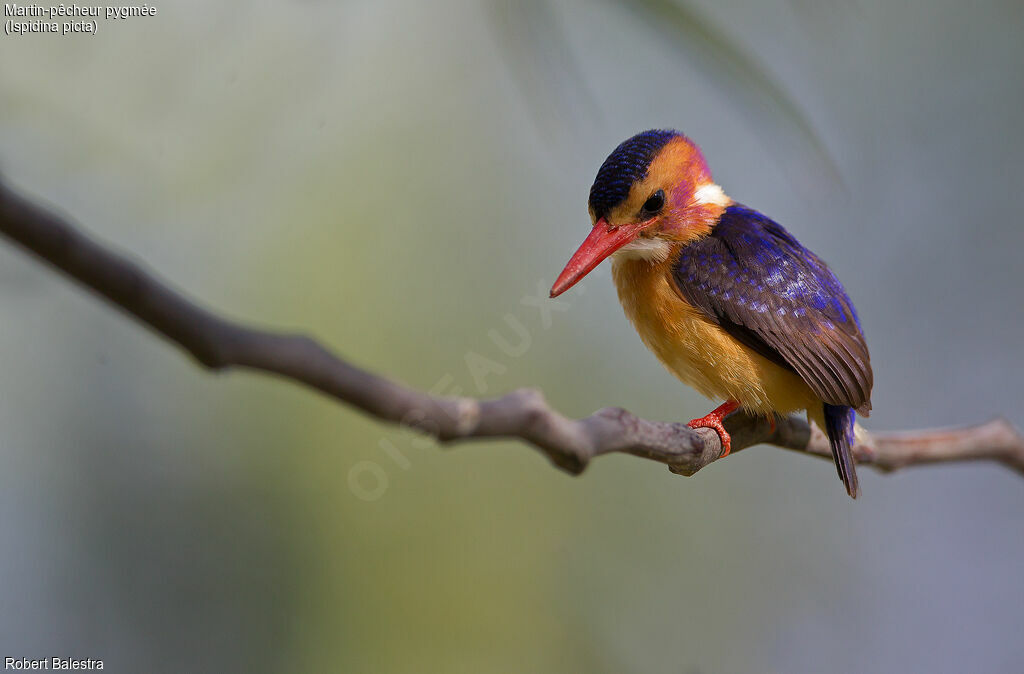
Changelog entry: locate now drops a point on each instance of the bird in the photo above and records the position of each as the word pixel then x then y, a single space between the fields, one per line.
pixel 727 299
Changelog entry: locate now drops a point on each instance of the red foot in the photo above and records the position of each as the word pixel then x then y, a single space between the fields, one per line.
pixel 714 420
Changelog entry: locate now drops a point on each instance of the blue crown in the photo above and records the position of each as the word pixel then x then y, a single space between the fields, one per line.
pixel 626 164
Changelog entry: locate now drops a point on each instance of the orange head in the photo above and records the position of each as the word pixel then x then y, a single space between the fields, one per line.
pixel 652 193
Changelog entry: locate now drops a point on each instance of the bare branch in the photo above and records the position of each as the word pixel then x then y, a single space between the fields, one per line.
pixel 219 344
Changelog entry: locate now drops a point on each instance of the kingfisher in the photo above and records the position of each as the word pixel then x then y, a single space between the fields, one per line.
pixel 727 299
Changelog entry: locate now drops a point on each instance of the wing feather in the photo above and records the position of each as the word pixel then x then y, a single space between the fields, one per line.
pixel 776 297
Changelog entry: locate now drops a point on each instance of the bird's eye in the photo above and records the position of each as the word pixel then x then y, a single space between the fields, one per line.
pixel 655 203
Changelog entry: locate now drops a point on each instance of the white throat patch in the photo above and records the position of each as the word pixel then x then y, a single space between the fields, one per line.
pixel 655 250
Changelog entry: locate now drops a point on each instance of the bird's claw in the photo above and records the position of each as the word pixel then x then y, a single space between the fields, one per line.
pixel 714 420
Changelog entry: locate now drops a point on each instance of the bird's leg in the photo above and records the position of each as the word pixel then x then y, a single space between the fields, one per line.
pixel 714 420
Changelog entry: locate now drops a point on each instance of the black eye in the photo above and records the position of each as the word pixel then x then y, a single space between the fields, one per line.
pixel 655 203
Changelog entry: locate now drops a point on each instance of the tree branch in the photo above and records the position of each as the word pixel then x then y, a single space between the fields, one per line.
pixel 219 344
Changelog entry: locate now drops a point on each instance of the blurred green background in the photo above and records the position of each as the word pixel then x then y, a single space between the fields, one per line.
pixel 396 178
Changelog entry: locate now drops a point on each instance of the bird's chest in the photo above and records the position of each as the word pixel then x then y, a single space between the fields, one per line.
pixel 687 343
pixel 692 347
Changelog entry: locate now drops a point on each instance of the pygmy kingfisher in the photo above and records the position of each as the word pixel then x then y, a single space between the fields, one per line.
pixel 725 297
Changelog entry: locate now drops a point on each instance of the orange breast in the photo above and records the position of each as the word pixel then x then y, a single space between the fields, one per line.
pixel 699 352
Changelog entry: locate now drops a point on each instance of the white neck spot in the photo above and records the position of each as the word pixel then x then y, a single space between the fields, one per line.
pixel 711 193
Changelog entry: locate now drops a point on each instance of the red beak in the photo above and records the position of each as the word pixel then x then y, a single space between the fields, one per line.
pixel 602 242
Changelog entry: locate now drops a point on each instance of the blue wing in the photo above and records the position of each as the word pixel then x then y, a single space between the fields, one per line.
pixel 761 286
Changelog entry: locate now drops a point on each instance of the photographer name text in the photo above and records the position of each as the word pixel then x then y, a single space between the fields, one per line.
pixel 58 664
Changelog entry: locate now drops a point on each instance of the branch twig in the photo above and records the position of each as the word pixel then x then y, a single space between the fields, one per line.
pixel 219 344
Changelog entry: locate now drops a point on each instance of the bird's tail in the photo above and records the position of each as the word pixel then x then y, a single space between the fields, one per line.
pixel 839 427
